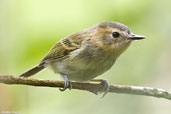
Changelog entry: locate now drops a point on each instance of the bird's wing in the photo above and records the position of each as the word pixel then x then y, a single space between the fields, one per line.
pixel 62 48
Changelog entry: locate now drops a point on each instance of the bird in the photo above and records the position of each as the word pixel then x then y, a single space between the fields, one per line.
pixel 84 55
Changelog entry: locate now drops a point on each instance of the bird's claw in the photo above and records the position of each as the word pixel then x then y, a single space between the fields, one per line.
pixel 105 84
pixel 67 84
pixel 106 87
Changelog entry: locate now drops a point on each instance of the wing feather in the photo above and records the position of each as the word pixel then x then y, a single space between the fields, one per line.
pixel 62 48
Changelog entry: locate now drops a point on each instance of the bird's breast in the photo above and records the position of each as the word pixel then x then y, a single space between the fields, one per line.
pixel 84 64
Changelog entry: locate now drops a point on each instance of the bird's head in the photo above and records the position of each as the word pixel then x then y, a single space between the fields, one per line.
pixel 115 36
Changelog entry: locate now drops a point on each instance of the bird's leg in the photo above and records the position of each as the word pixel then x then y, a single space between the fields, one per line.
pixel 103 82
pixel 67 83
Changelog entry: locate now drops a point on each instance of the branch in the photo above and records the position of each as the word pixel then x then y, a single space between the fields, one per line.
pixel 91 87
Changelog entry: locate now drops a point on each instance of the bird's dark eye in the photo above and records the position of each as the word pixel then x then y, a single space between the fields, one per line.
pixel 115 34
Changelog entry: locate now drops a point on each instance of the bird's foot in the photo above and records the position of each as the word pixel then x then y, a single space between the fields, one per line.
pixel 67 84
pixel 105 84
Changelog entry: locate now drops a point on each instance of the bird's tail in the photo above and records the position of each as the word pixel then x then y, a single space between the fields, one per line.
pixel 32 71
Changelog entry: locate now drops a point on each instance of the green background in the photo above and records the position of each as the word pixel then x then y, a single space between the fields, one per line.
pixel 28 29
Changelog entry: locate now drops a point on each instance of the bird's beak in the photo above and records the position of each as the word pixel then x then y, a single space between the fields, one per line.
pixel 135 37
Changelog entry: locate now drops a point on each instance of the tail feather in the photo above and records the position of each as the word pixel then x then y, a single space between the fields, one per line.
pixel 32 71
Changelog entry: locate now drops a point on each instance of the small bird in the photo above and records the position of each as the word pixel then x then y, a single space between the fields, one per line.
pixel 84 55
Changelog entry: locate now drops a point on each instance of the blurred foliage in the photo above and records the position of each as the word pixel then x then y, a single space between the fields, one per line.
pixel 28 28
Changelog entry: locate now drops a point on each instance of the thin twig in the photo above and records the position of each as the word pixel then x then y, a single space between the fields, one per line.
pixel 91 87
